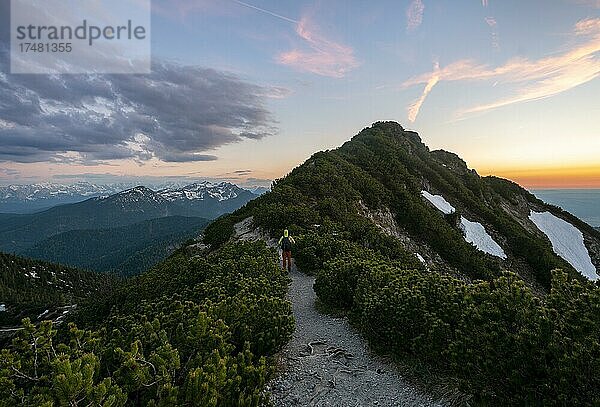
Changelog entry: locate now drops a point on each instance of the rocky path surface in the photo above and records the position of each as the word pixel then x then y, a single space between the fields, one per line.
pixel 328 364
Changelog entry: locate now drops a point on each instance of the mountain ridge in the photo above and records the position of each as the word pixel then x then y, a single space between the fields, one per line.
pixel 19 232
pixel 31 198
pixel 40 196
pixel 385 168
pixel 396 237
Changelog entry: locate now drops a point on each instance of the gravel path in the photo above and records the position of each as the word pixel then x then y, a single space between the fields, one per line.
pixel 328 364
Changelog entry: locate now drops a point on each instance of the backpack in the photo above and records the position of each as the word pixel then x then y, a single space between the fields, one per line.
pixel 286 244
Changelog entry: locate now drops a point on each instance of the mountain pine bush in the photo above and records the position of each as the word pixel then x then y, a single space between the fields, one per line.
pixel 197 331
pixel 504 343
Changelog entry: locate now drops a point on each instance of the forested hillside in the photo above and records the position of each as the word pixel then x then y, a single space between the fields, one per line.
pixel 126 250
pixel 32 288
pixel 196 330
pixel 125 233
pixel 384 224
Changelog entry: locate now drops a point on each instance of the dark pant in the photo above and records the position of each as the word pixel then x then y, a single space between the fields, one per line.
pixel 287 257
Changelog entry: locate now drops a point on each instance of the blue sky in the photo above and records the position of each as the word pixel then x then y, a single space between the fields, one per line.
pixel 508 85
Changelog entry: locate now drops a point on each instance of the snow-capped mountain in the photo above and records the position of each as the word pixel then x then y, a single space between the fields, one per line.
pixel 259 190
pixel 37 197
pixel 195 194
pixel 34 197
pixel 204 199
pixel 200 200
pixel 48 190
pixel 203 190
pixel 135 195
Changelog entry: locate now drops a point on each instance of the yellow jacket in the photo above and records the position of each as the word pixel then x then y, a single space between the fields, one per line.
pixel 286 234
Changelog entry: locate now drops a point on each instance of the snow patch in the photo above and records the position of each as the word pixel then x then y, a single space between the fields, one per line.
pixel 2 308
pixel 421 259
pixel 567 242
pixel 439 202
pixel 11 329
pixel 476 234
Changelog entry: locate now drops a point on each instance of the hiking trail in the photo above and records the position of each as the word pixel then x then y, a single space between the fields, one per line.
pixel 327 363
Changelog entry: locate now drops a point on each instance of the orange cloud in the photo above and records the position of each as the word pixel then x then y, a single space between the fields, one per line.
pixel 323 56
pixel 413 109
pixel 535 79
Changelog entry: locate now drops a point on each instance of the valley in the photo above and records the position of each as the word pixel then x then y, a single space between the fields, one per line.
pixel 125 232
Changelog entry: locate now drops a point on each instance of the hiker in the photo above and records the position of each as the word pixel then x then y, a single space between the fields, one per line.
pixel 285 243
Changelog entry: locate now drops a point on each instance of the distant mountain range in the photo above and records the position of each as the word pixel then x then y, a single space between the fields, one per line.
pixel 126 231
pixel 260 190
pixel 37 197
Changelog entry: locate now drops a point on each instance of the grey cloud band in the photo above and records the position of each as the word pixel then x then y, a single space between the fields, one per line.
pixel 175 114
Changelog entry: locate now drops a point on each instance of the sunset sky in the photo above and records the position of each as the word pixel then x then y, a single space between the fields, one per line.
pixel 245 91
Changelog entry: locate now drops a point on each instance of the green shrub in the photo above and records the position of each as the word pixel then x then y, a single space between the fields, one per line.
pixel 336 283
pixel 504 344
pixel 191 331
pixel 219 231
pixel 313 250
